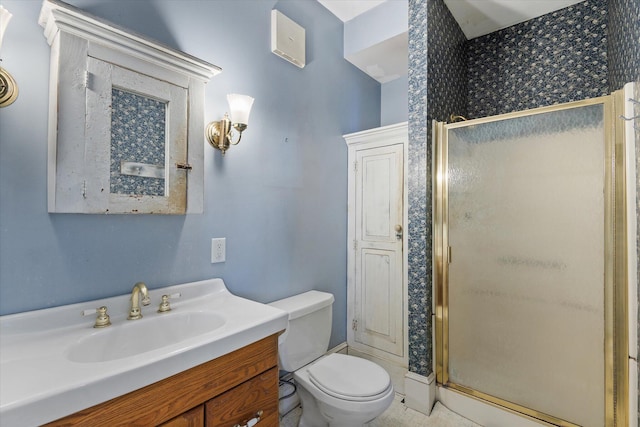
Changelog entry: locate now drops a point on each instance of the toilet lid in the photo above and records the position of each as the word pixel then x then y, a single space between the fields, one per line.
pixel 349 377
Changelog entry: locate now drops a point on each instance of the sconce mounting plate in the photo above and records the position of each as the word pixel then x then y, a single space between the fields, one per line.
pixel 8 88
pixel 220 133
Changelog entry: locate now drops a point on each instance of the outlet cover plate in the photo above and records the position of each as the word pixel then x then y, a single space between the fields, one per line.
pixel 218 250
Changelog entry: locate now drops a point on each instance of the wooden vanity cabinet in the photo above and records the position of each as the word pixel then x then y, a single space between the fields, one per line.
pixel 224 392
pixel 240 403
pixel 192 418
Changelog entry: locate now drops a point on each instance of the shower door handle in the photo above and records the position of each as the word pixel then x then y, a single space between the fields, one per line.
pixel 398 232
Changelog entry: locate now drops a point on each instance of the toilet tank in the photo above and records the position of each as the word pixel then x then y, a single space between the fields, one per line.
pixel 307 335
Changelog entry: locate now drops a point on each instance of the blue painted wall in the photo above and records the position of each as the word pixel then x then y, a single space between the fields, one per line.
pixel 279 197
pixel 394 102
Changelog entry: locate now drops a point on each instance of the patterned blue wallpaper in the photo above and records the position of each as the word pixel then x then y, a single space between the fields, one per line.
pixel 419 201
pixel 137 135
pixel 447 63
pixel 436 48
pixel 624 42
pixel 558 57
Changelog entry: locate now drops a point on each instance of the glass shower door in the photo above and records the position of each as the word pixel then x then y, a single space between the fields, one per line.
pixel 525 243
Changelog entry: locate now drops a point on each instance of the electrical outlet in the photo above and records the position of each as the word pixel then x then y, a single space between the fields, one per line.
pixel 218 250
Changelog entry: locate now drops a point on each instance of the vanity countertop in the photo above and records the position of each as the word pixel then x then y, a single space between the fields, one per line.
pixel 54 363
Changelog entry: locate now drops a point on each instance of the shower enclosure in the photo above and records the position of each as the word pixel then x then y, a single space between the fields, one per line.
pixel 529 262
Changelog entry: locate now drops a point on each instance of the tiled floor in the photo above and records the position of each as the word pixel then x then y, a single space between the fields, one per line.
pixel 399 415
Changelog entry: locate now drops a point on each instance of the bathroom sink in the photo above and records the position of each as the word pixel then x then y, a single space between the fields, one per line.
pixel 53 362
pixel 140 336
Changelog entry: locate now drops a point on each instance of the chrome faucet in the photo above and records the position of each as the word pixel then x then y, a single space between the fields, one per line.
pixel 138 288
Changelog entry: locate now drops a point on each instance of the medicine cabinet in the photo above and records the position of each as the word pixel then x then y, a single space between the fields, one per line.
pixel 125 119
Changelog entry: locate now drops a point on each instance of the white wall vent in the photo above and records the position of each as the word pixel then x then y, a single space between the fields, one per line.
pixel 287 39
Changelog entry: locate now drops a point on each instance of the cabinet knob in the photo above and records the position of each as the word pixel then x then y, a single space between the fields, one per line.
pixel 253 421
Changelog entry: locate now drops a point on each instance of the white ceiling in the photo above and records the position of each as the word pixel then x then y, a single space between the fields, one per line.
pixel 480 17
pixel 384 61
pixel 475 17
pixel 346 10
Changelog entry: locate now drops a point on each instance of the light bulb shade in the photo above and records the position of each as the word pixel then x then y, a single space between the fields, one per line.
pixel 5 16
pixel 240 107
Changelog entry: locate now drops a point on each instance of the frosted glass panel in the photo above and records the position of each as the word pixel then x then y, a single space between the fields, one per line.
pixel 526 279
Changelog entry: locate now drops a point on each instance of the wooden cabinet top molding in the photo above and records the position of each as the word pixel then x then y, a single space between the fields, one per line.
pixel 58 16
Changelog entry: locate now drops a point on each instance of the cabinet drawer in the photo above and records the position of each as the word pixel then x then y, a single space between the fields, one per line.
pixel 241 403
pixel 192 418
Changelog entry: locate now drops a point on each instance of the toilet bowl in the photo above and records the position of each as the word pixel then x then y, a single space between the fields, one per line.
pixel 335 390
pixel 352 392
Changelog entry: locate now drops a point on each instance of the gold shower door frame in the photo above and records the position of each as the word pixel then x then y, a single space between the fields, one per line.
pixel 616 386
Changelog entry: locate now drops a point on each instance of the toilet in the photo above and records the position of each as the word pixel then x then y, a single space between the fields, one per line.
pixel 335 390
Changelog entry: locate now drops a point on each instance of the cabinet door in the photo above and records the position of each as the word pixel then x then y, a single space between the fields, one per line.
pixel 192 418
pixel 243 402
pixel 378 315
pixel 136 134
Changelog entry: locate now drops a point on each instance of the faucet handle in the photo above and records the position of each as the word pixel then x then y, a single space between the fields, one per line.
pixel 164 305
pixel 102 320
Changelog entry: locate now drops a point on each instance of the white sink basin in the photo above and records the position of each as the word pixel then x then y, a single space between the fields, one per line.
pixel 54 363
pixel 143 335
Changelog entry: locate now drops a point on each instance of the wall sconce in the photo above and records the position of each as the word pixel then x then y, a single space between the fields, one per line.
pixel 8 86
pixel 220 134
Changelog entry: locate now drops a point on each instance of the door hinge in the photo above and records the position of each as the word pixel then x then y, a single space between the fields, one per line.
pixel 355 166
pixel 449 254
pixel 89 80
pixel 355 245
pixel 354 324
pixel 84 189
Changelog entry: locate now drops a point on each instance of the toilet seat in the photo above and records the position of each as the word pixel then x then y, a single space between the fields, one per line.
pixel 349 378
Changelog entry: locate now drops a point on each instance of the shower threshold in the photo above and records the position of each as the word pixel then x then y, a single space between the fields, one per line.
pixel 482 412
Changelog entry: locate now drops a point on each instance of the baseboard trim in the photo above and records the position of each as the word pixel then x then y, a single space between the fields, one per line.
pixel 420 392
pixel 340 348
